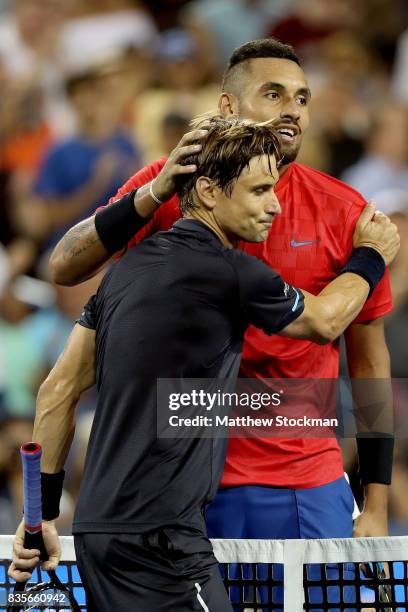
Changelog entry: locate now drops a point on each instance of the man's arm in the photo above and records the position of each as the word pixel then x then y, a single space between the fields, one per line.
pixel 276 307
pixel 81 252
pixel 58 396
pixel 368 358
pixel 326 316
pixel 54 428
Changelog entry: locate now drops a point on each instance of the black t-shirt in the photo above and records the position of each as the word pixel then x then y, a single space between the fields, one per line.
pixel 175 306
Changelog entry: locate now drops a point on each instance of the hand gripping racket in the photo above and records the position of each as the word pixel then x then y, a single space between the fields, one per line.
pixel 51 595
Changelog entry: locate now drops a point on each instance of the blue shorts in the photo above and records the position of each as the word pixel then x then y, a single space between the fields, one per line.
pixel 275 513
pixel 260 512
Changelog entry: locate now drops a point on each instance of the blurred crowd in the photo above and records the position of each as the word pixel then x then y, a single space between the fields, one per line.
pixel 91 90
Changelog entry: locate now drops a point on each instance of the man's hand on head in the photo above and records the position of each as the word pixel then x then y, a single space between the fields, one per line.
pixel 164 185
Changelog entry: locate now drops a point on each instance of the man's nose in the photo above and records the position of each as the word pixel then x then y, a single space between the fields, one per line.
pixel 273 207
pixel 290 110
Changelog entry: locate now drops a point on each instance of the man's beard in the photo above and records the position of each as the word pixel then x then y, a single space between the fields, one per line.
pixel 289 154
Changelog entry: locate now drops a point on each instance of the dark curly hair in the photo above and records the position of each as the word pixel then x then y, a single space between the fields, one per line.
pixel 262 48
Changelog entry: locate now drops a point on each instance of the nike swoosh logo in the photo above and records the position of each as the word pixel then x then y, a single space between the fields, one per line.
pixel 294 243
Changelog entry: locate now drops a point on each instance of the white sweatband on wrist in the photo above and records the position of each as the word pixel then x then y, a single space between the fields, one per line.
pixel 152 195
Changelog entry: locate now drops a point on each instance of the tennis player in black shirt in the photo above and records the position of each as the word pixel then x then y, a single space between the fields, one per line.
pixel 177 306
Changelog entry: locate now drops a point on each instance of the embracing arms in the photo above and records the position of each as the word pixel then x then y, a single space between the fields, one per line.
pixel 326 316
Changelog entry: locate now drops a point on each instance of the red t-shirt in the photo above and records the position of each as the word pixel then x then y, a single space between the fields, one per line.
pixel 308 244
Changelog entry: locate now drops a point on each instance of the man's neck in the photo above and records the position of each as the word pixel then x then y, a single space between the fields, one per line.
pixel 209 220
pixel 282 169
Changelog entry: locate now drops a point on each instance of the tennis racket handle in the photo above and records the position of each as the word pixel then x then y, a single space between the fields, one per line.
pixel 31 459
pixel 36 541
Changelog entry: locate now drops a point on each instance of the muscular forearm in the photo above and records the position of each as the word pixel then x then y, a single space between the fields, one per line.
pixel 370 371
pixel 80 253
pixel 54 424
pixel 341 301
pixel 73 373
pixel 327 315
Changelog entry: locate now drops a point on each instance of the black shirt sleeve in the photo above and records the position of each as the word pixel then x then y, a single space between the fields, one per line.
pixel 266 299
pixel 87 318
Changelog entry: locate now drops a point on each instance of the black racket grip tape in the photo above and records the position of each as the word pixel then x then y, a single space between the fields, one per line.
pixel 36 541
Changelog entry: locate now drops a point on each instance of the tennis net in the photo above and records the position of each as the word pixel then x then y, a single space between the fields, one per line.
pixel 339 575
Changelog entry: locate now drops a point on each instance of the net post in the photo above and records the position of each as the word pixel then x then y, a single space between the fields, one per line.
pixel 293 556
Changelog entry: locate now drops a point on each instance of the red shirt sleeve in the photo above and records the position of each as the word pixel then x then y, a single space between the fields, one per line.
pixel 380 303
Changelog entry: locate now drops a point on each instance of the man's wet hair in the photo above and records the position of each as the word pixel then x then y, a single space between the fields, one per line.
pixel 227 149
pixel 255 49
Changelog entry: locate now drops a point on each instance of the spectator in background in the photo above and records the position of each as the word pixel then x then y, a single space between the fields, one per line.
pixel 166 13
pixel 385 163
pixel 25 132
pixel 35 322
pixel 348 78
pixel 348 58
pixel 4 269
pixel 400 80
pixel 30 51
pixel 29 37
pixel 23 329
pixel 219 26
pixel 181 88
pixel 102 28
pixel 38 38
pixel 394 203
pixel 335 139
pixel 81 172
pixel 309 23
pixel 174 126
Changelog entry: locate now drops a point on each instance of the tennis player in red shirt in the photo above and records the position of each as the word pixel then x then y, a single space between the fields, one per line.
pixel 277 488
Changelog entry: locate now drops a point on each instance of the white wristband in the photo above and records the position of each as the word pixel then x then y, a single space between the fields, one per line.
pixel 152 195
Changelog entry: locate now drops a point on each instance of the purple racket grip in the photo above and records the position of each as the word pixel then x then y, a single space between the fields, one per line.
pixel 31 457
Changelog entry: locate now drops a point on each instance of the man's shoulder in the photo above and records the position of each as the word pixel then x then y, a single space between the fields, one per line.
pixel 247 266
pixel 326 185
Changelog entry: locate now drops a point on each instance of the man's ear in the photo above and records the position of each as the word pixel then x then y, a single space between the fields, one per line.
pixel 206 191
pixel 227 104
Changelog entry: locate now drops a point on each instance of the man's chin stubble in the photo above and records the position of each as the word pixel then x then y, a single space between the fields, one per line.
pixel 289 156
